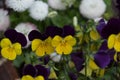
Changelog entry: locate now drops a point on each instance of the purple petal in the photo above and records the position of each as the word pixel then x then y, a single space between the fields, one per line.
pixel 21 39
pixel 102 59
pixel 34 35
pixel 29 70
pixel 100 26
pixel 46 59
pixel 68 30
pixel 42 71
pixel 73 76
pixel 103 46
pixel 53 30
pixel 78 60
pixel 16 37
pixel 11 34
pixel 112 27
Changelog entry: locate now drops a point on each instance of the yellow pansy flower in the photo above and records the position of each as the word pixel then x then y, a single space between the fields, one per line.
pixel 42 47
pixel 9 50
pixel 63 45
pixel 114 42
pixel 28 77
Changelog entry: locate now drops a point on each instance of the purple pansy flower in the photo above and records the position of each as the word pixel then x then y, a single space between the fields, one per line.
pixel 65 31
pixel 78 60
pixel 36 71
pixel 102 57
pixel 52 31
pixel 73 76
pixel 15 36
pixel 112 27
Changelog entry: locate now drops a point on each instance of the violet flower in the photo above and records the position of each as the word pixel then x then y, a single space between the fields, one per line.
pixel 36 70
pixel 15 36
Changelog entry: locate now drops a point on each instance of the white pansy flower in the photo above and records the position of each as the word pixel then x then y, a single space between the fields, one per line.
pixel 39 10
pixel 92 9
pixel 4 20
pixel 25 28
pixel 19 5
pixel 55 57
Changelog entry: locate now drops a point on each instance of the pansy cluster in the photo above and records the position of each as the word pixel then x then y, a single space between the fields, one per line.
pixel 61 39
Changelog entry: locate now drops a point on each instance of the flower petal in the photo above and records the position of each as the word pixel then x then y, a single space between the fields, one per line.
pixel 8 53
pixel 111 41
pixel 117 46
pixel 34 35
pixel 93 65
pixel 35 44
pixel 21 39
pixel 40 51
pixel 11 34
pixel 56 41
pixel 78 60
pixel 16 37
pixel 27 77
pixel 68 30
pixel 102 59
pixel 53 30
pixel 70 40
pixel 94 35
pixel 45 72
pixel 29 70
pixel 112 27
pixel 39 78
pixel 17 47
pixel 48 46
pixel 5 43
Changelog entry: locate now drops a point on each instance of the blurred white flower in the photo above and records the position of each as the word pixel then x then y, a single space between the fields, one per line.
pixel 25 28
pixel 60 4
pixel 4 20
pixel 55 57
pixel 57 4
pixel 39 10
pixel 19 5
pixel 92 9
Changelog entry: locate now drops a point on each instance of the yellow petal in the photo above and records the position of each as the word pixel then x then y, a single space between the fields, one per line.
pixel 48 46
pixel 52 74
pixel 39 78
pixel 8 53
pixel 115 56
pixel 70 40
pixel 88 71
pixel 59 49
pixel 27 77
pixel 65 49
pixel 117 46
pixel 94 35
pixel 17 47
pixel 111 41
pixel 102 71
pixel 40 51
pixel 56 41
pixel 35 44
pixel 5 43
pixel 93 65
